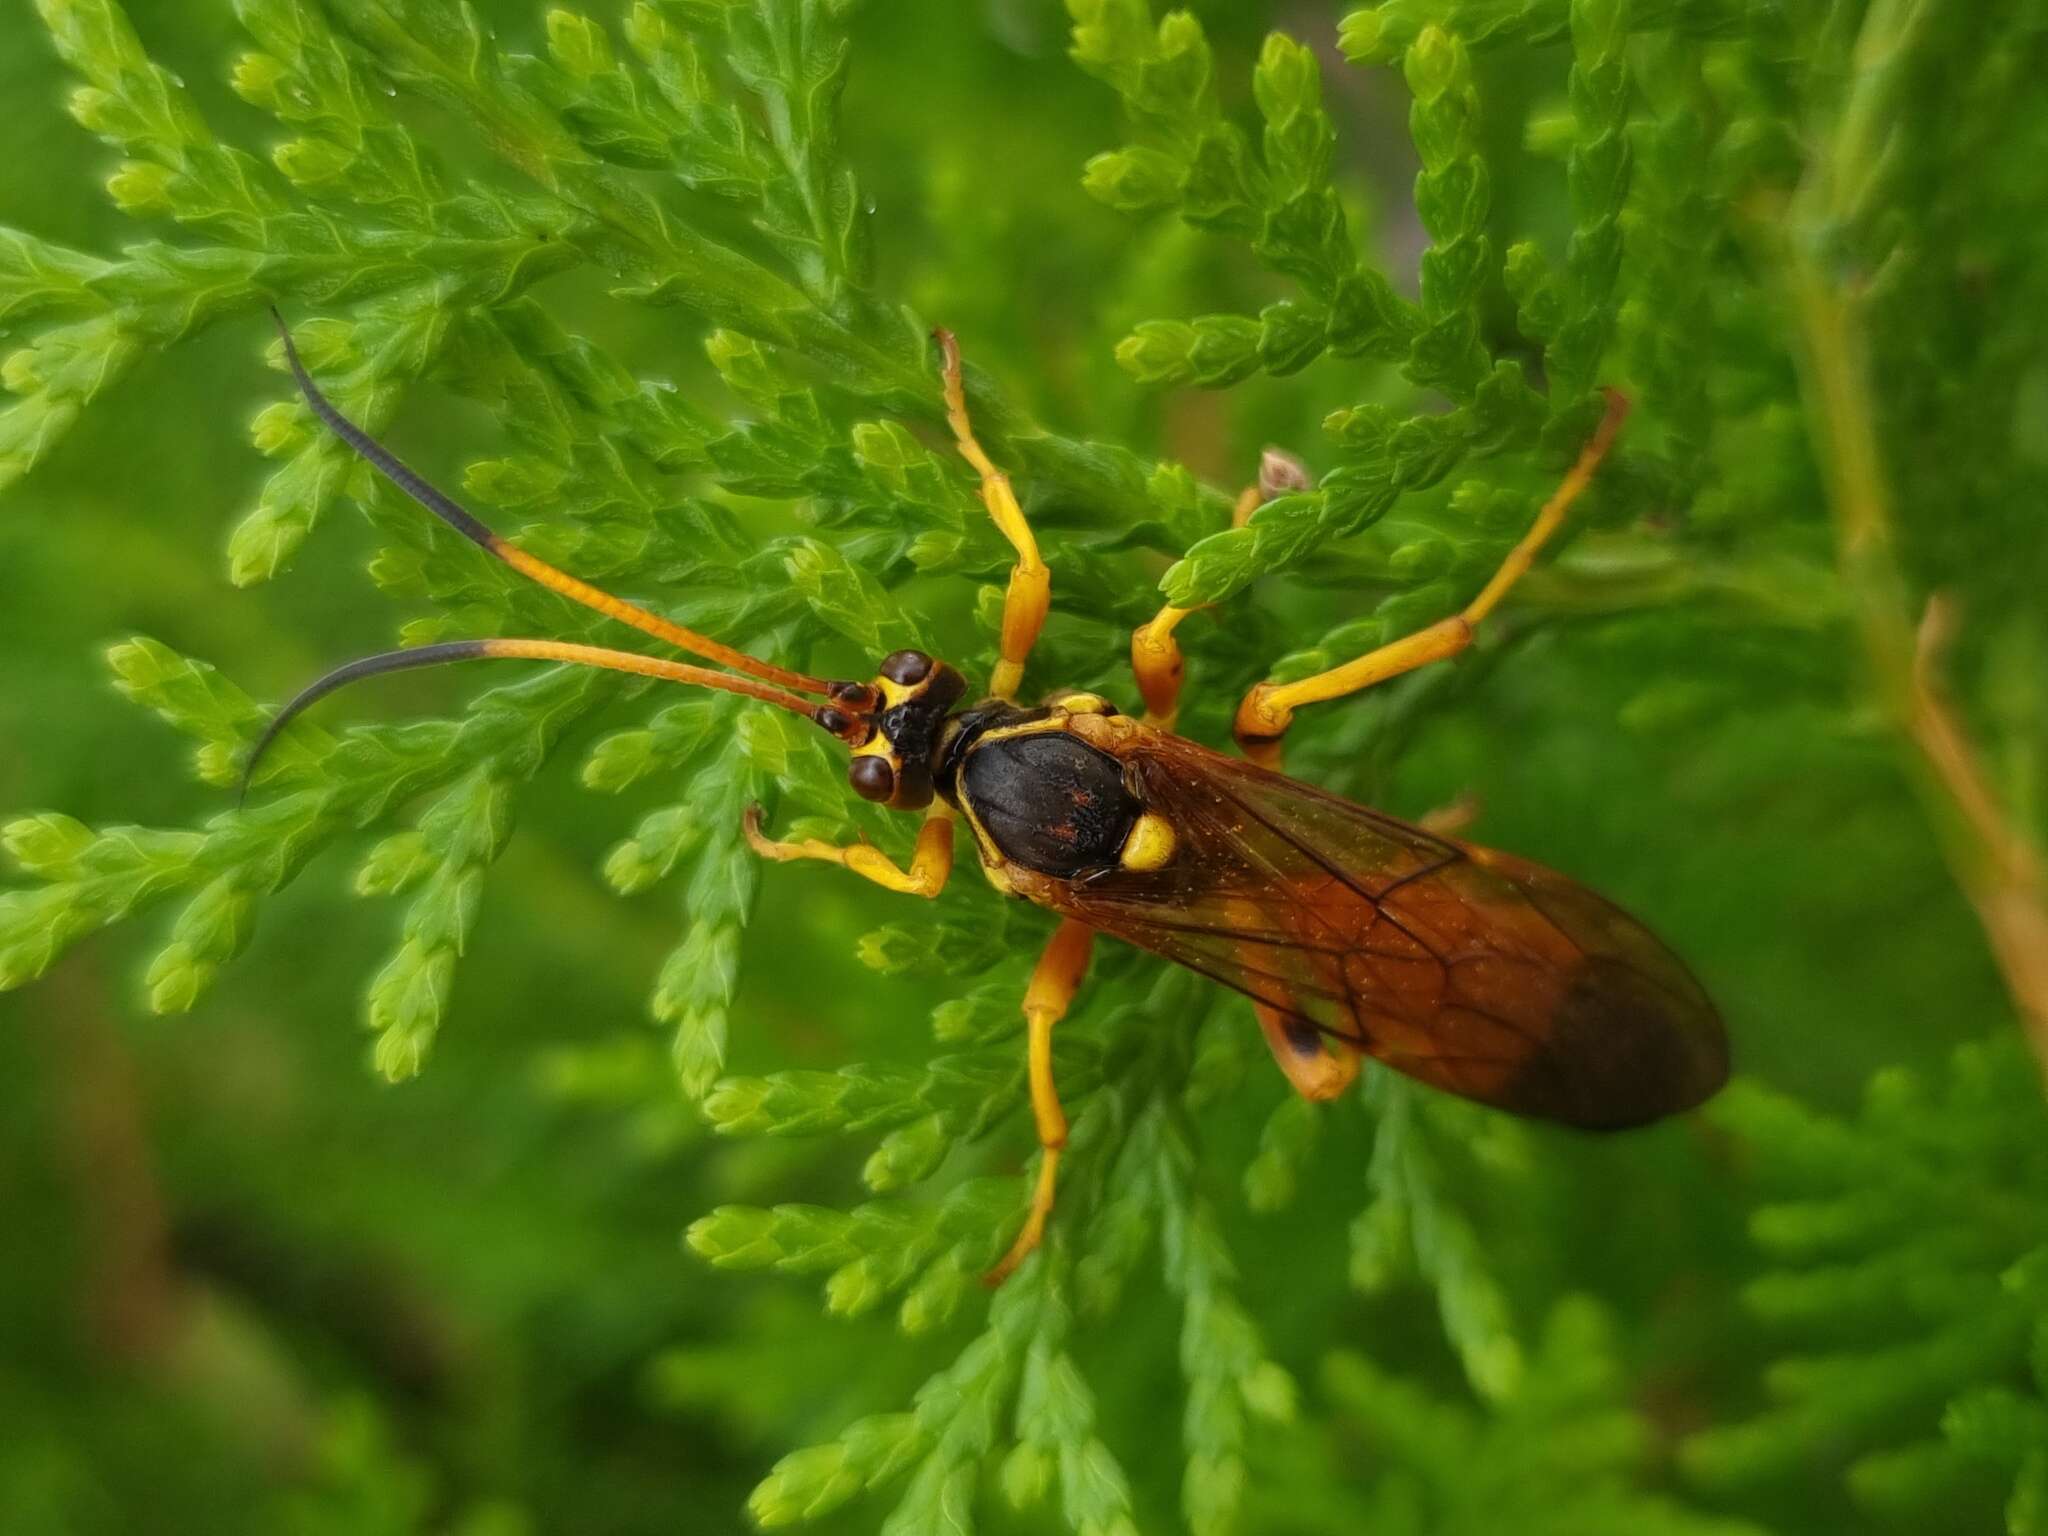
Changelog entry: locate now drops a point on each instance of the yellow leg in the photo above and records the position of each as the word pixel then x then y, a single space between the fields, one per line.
pixel 931 862
pixel 1053 985
pixel 1155 655
pixel 1156 662
pixel 1267 711
pixel 1030 594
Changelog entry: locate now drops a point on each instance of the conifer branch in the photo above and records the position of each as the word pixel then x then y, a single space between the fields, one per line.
pixel 1996 866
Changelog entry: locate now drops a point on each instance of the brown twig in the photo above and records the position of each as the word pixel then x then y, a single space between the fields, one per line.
pixel 1998 870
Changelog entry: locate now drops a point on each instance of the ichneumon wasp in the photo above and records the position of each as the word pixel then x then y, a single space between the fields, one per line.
pixel 1352 933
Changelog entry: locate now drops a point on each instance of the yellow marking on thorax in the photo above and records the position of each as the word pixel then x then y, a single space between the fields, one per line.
pixel 1151 843
pixel 992 860
pixel 1083 704
pixel 1110 733
pixel 1056 721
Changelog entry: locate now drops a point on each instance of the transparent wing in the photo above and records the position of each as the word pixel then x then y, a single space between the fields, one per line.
pixel 1470 970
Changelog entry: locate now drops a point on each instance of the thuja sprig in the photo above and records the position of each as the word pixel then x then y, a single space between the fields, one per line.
pixel 1381 32
pixel 1390 455
pixel 1667 326
pixel 92 878
pixel 1026 1399
pixel 1229 1377
pixel 783 57
pixel 369 360
pixel 481 248
pixel 956 1421
pixel 929 1253
pixel 1598 175
pixel 459 836
pixel 1929 1206
pixel 1452 196
pixel 1562 1453
pixel 430 251
pixel 1414 1224
pixel 353 211
pixel 1289 209
pixel 690 157
pixel 1282 200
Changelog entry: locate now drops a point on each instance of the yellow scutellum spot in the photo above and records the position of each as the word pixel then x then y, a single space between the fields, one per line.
pixel 1150 844
pixel 1085 704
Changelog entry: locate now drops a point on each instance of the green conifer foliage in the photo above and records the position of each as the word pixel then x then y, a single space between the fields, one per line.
pixel 650 287
pixel 1906 1254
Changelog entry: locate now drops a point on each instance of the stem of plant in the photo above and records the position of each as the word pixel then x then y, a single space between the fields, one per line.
pixel 1994 864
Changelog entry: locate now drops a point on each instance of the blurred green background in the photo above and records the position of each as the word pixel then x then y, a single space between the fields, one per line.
pixel 249 1286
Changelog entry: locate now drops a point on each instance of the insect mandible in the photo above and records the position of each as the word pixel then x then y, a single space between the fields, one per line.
pixel 1352 933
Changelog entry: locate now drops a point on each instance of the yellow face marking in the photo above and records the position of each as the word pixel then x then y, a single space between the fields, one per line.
pixel 879 745
pixel 1151 843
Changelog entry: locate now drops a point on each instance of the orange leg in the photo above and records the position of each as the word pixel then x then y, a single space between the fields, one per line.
pixel 1267 711
pixel 1450 820
pixel 931 862
pixel 1155 655
pixel 1318 1067
pixel 1053 985
pixel 1030 594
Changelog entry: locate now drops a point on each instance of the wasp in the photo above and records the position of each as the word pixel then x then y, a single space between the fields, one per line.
pixel 1352 933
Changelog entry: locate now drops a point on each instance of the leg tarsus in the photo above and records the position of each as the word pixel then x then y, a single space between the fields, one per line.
pixel 1267 711
pixel 1029 596
pixel 1032 1233
pixel 931 861
pixel 1054 982
pixel 1155 655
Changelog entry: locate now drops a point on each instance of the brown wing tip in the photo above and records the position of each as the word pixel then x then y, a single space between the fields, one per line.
pixel 1623 1051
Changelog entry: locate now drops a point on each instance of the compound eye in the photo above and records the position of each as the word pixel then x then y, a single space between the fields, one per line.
pixel 906 667
pixel 858 697
pixel 873 779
